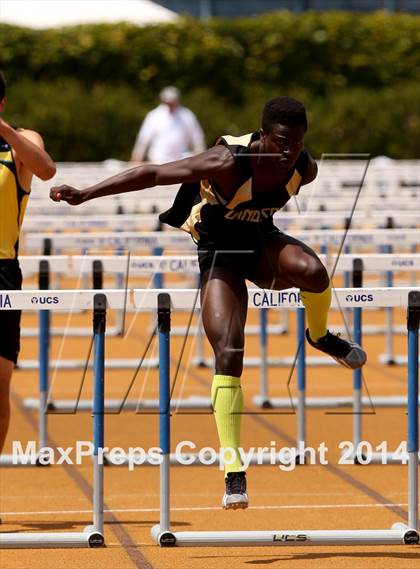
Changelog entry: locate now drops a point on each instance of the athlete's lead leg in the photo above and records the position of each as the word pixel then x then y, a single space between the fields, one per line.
pixel 286 262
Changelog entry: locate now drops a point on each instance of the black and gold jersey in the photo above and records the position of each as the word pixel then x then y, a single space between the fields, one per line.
pixel 13 200
pixel 201 210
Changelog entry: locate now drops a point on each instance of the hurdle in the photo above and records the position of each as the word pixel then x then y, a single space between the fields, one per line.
pixel 93 535
pixel 399 534
pixel 55 300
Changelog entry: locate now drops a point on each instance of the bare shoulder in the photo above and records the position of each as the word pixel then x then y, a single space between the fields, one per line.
pixel 208 163
pixel 32 135
pixel 219 158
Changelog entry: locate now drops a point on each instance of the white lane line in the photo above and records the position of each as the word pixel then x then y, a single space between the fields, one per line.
pixel 206 508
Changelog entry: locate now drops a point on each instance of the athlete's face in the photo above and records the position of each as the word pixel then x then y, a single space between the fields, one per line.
pixel 284 143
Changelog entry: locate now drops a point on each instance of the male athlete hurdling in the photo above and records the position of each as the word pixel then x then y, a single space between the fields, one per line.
pixel 226 202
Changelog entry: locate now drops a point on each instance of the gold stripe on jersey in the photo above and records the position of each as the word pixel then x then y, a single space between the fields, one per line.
pixel 243 194
pixel 293 184
pixel 207 197
pixel 13 200
pixel 6 156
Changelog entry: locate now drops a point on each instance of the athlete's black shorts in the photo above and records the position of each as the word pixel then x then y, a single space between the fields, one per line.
pixel 240 254
pixel 10 279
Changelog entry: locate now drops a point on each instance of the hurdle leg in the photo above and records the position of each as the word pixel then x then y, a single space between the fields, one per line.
pixel 301 368
pixel 413 319
pixel 346 278
pixel 119 283
pixel 264 398
pixel 157 280
pixel 43 352
pixel 157 277
pixel 44 341
pixel 389 357
pixel 357 382
pixel 99 325
pixel 161 533
pixel 357 275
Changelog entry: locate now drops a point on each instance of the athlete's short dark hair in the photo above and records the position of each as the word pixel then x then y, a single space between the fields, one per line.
pixel 283 110
pixel 2 86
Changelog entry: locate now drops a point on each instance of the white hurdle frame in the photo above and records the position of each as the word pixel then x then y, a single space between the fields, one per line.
pixel 93 535
pixel 399 534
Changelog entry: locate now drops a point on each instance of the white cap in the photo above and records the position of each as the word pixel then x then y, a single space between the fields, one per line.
pixel 169 95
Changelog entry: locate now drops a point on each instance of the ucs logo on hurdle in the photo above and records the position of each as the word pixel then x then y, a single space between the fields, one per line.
pixel 5 301
pixel 45 300
pixel 290 537
pixel 402 263
pixel 359 297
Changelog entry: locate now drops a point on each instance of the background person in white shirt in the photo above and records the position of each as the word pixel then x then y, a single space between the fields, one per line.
pixel 169 132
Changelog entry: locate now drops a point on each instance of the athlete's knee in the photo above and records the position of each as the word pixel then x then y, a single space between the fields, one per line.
pixel 318 276
pixel 309 272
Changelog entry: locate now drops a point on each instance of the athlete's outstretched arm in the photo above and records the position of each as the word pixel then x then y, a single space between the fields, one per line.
pixel 206 165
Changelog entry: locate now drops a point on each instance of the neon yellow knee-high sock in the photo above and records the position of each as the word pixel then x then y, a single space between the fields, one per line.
pixel 228 403
pixel 317 305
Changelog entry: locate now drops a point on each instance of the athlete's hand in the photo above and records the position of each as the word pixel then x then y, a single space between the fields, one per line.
pixel 67 194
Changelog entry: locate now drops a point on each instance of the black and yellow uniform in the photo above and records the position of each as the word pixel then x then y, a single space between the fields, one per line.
pixel 13 200
pixel 231 233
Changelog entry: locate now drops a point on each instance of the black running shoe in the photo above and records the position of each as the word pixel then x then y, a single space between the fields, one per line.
pixel 235 495
pixel 346 353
